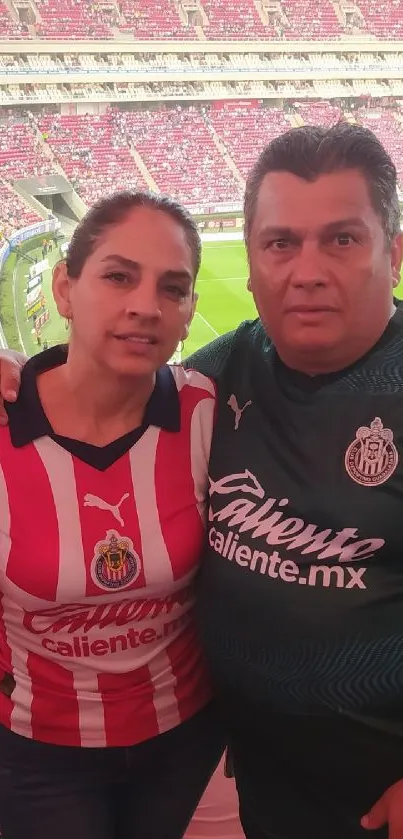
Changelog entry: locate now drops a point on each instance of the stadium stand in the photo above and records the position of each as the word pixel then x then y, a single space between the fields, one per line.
pixel 21 152
pixel 388 126
pixel 15 212
pixel 215 20
pixel 310 20
pixel 318 113
pixel 200 154
pixel 382 19
pixel 179 152
pixel 74 19
pixel 221 62
pixel 234 20
pixel 93 152
pixel 245 128
pixel 157 20
pixel 9 28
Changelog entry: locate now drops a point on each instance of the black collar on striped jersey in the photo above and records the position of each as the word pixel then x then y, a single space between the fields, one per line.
pixel 28 421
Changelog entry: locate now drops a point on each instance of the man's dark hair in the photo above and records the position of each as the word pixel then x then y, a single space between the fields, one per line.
pixel 114 209
pixel 311 151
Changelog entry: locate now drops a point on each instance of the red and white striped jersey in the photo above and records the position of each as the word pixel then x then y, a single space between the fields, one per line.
pixel 97 568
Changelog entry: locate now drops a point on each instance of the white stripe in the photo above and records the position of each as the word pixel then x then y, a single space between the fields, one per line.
pixel 156 566
pixel 201 431
pixel 72 573
pixel 164 684
pixel 208 324
pixel 156 561
pixel 192 378
pixel 60 471
pixel 90 709
pixel 5 543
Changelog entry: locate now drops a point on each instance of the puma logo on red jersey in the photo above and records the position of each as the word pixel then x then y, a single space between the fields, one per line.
pixel 94 501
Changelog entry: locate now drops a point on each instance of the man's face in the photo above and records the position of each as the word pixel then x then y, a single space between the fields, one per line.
pixel 321 272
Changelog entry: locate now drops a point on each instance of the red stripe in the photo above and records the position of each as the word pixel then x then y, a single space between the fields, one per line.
pixel 110 486
pixel 181 525
pixel 54 701
pixel 128 706
pixel 32 512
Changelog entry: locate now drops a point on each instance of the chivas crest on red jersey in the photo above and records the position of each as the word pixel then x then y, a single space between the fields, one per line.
pixel 372 457
pixel 115 564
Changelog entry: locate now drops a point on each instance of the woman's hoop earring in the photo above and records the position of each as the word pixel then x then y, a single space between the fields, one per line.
pixel 181 346
pixel 67 323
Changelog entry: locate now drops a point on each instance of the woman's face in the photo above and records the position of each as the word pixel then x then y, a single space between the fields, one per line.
pixel 134 299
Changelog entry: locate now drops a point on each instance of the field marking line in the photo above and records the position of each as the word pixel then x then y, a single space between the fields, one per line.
pixel 15 308
pixel 217 334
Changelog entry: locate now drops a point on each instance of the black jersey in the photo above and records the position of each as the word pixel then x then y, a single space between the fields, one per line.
pixel 301 600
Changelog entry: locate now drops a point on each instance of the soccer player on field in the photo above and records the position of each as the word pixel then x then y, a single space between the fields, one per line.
pixel 107 726
pixel 301 599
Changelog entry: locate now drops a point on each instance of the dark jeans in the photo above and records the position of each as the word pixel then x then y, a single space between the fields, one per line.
pixel 313 778
pixel 148 791
pixel 258 824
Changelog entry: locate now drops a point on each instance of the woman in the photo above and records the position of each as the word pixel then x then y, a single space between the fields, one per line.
pixel 107 730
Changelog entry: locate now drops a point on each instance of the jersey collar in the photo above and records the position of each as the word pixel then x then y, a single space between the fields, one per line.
pixel 28 422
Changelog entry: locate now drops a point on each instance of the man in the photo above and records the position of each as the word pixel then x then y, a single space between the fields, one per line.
pixel 301 601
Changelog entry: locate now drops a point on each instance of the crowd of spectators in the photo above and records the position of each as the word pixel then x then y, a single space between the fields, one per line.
pixel 93 153
pixel 180 153
pixel 208 19
pixel 383 18
pixel 15 212
pixel 198 153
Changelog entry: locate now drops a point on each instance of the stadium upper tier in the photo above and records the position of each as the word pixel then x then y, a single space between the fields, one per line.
pixel 199 154
pixel 201 20
pixel 167 64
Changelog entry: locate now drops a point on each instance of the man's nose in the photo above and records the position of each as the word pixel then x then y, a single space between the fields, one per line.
pixel 308 269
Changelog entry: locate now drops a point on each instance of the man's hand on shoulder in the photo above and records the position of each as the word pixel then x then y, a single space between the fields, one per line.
pixel 11 364
pixel 388 810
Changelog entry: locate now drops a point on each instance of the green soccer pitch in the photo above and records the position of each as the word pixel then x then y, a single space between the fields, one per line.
pixel 223 298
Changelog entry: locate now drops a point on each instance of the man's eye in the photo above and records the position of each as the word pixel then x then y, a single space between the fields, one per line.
pixel 344 239
pixel 175 291
pixel 278 244
pixel 117 277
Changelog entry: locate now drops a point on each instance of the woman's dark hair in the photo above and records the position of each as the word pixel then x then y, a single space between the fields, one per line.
pixel 114 209
pixel 311 151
